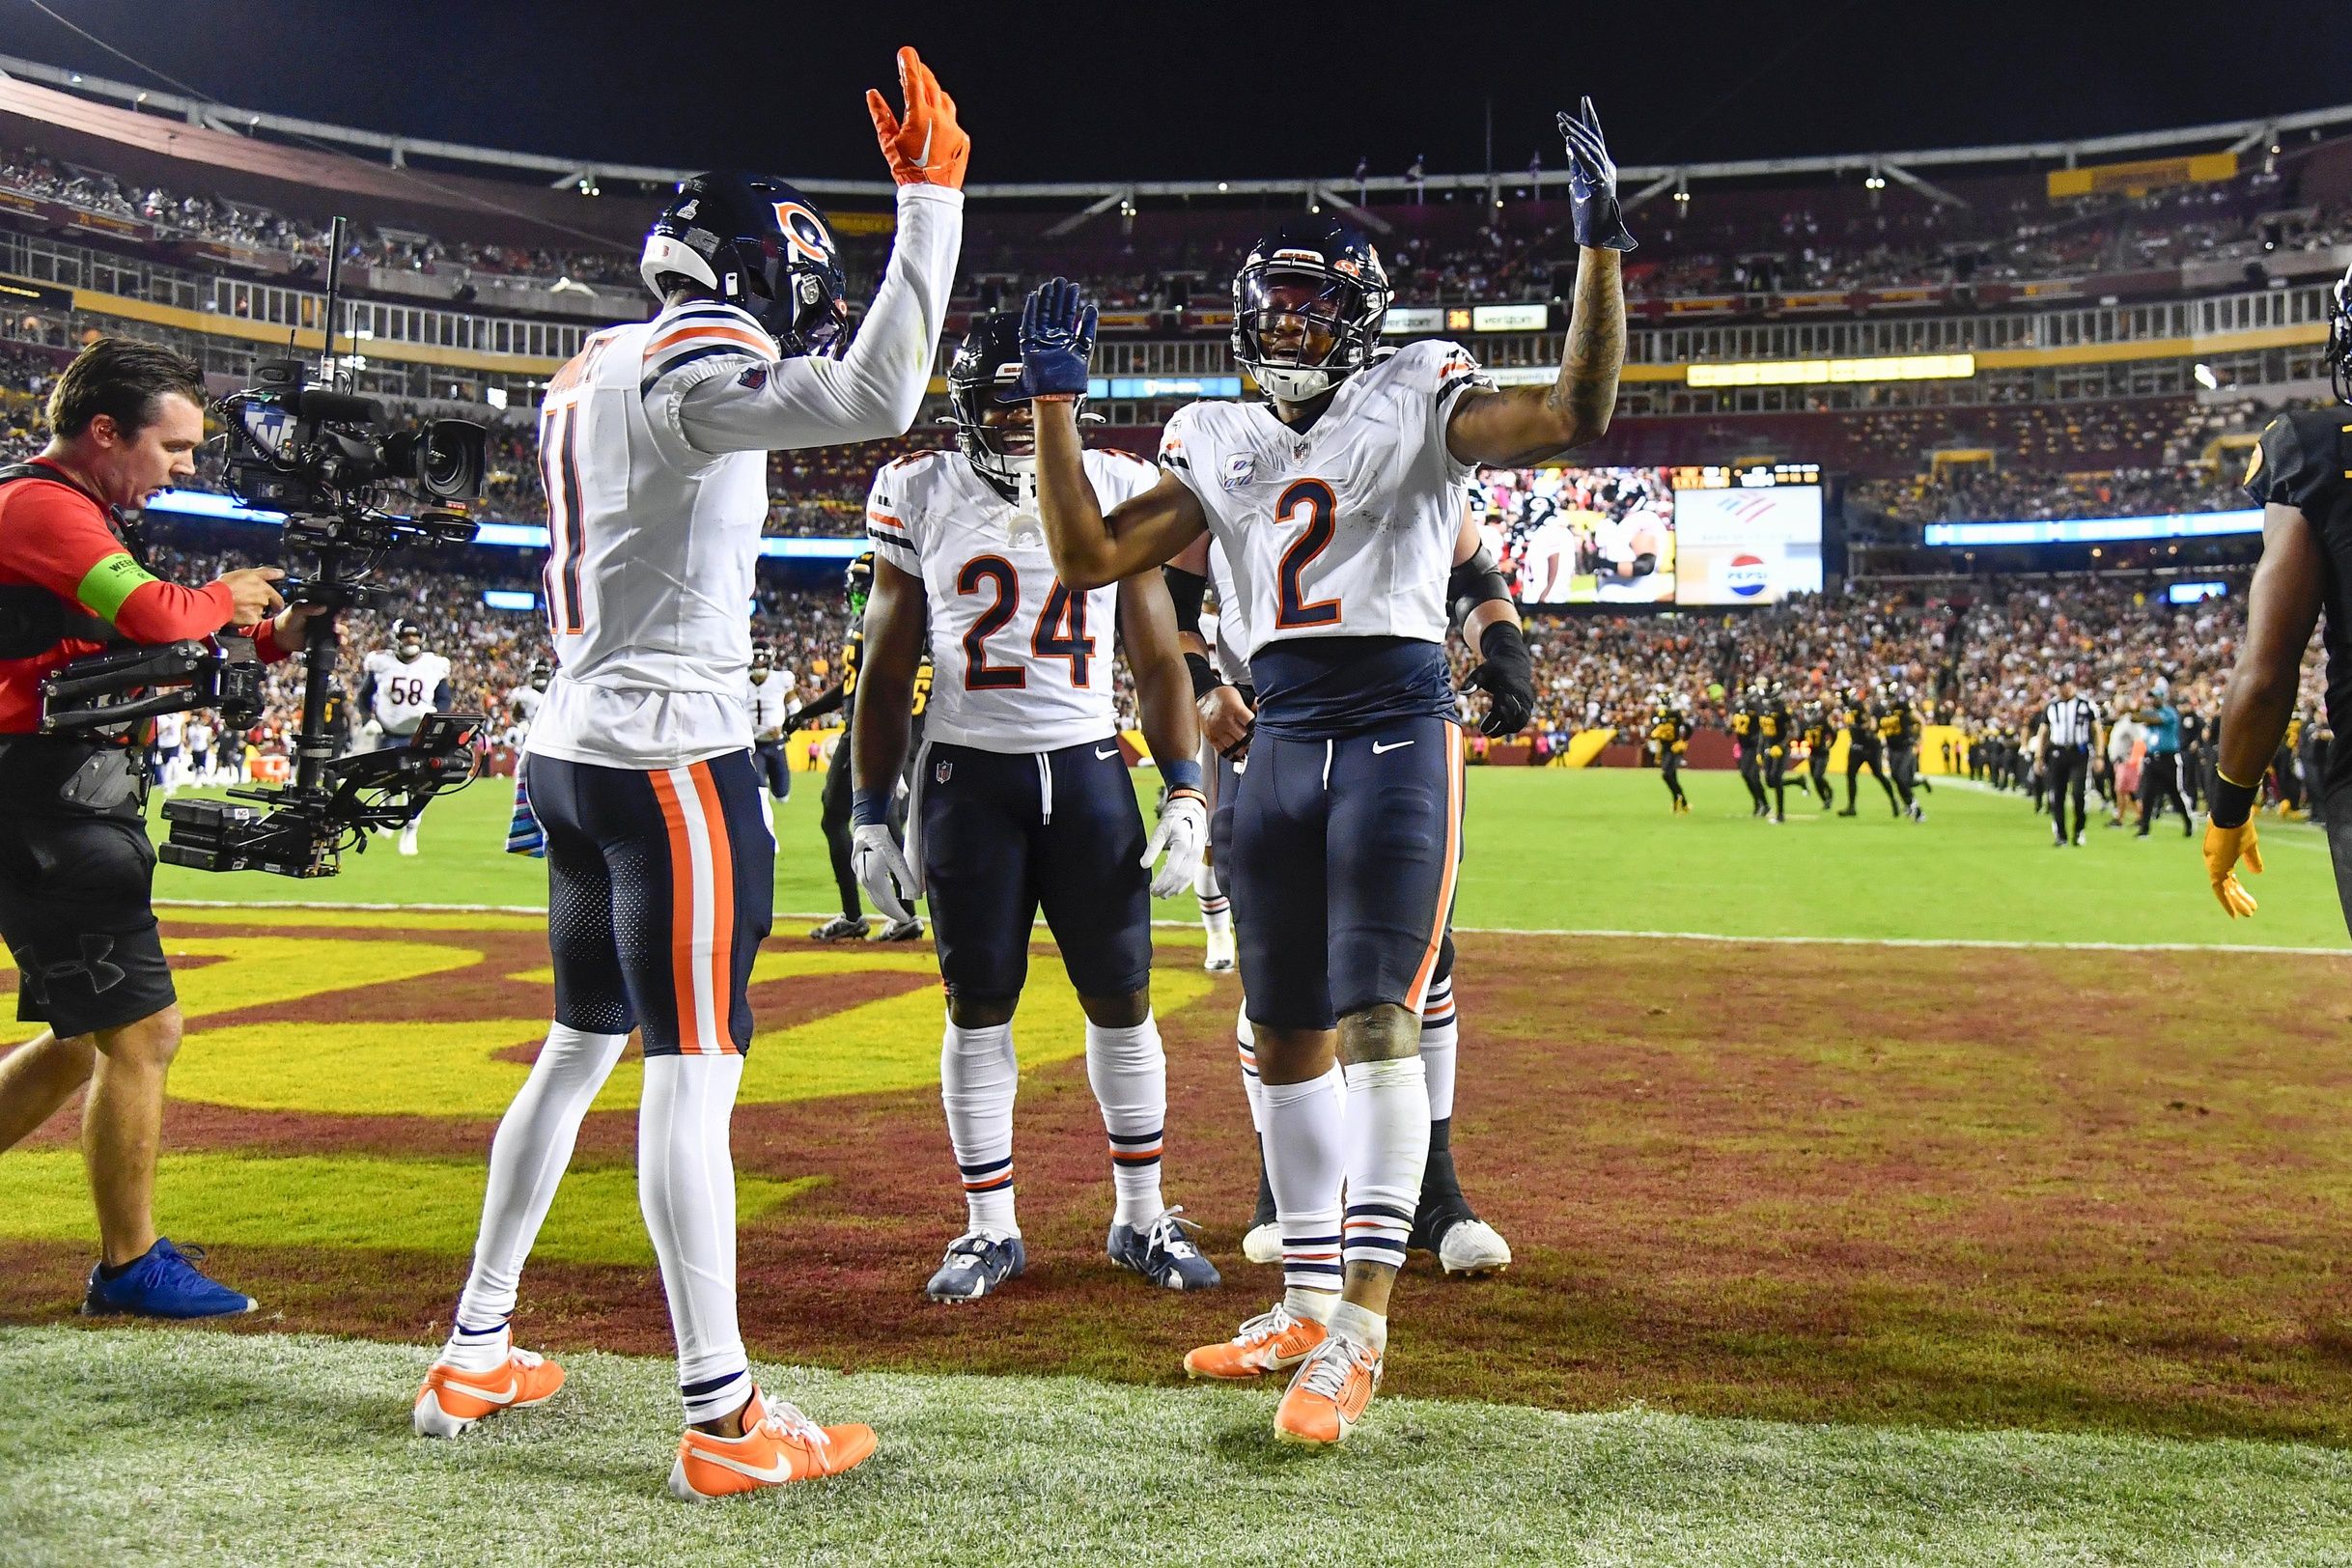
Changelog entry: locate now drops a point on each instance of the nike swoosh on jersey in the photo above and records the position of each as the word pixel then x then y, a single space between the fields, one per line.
pixel 1378 751
pixel 781 1472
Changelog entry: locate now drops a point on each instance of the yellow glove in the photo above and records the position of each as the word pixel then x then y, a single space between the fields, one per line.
pixel 1682 746
pixel 1775 751
pixel 2224 848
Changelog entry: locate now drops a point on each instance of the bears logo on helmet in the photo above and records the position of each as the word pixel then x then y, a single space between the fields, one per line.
pixel 754 241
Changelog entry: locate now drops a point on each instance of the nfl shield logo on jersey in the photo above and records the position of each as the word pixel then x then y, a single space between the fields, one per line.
pixel 1241 467
pixel 939 774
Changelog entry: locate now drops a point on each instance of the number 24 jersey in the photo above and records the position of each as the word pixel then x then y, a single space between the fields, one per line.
pixel 1022 664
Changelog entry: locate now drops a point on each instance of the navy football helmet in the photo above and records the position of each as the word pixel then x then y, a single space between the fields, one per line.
pixel 408 640
pixel 1307 307
pixel 986 362
pixel 758 243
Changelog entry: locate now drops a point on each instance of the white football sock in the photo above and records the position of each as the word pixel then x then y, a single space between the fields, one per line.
pixel 1361 1324
pixel 1303 1165
pixel 1440 1035
pixel 1216 909
pixel 527 1160
pixel 1388 1145
pixel 686 1185
pixel 978 1075
pixel 1245 1039
pixel 1128 1072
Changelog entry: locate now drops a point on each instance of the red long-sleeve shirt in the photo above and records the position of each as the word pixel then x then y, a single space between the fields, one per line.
pixel 54 535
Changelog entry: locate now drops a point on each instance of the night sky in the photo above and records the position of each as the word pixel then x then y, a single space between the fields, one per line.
pixel 1200 90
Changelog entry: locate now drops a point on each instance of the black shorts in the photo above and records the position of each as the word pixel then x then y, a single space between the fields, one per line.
pixel 1342 881
pixel 77 908
pixel 660 886
pixel 1005 834
pixel 1224 791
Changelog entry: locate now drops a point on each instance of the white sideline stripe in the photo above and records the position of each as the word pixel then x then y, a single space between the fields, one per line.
pixel 1596 934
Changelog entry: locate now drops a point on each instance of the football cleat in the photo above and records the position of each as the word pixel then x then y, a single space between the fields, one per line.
pixel 450 1402
pixel 907 930
pixel 407 839
pixel 1274 1341
pixel 1472 1246
pixel 162 1282
pixel 1263 1244
pixel 1328 1395
pixel 1163 1253
pixel 976 1263
pixel 1219 956
pixel 840 929
pixel 779 1445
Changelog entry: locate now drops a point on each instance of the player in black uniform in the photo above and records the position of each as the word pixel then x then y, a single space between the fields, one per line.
pixel 1773 734
pixel 2297 476
pixel 1744 735
pixel 1669 737
pixel 1854 718
pixel 834 820
pixel 1898 732
pixel 1818 735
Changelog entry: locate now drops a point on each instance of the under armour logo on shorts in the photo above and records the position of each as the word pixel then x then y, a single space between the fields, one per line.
pixel 92 966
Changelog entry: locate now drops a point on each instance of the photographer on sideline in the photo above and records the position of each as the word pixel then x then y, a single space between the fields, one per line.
pixel 77 871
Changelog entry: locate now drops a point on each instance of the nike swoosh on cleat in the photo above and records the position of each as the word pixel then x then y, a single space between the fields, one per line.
pixel 781 1472
pixel 487 1395
pixel 1099 755
pixel 1378 751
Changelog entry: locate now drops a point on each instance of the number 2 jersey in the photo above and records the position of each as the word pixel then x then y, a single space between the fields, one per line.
pixel 1021 663
pixel 1339 537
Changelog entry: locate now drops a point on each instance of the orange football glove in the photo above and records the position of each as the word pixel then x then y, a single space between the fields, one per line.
pixel 2224 848
pixel 927 148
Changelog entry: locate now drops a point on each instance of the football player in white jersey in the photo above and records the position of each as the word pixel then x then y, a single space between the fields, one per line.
pixel 660 871
pixel 771 699
pixel 1339 504
pixel 1443 1222
pixel 522 704
pixel 398 688
pixel 1023 802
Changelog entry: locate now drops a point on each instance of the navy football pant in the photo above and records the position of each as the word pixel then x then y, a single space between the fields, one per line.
pixel 661 885
pixel 1007 834
pixel 773 767
pixel 1342 869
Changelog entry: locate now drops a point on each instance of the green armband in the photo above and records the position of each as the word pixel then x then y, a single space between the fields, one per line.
pixel 105 585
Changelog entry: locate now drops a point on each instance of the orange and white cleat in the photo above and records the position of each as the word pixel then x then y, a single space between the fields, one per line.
pixel 1328 1395
pixel 451 1401
pixel 779 1444
pixel 1272 1341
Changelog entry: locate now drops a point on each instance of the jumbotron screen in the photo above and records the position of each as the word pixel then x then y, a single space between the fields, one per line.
pixel 1580 536
pixel 1747 537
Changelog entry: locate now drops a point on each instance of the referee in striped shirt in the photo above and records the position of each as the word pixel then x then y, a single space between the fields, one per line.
pixel 2069 735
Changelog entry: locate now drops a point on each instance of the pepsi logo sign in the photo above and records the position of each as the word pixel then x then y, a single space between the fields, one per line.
pixel 1747 576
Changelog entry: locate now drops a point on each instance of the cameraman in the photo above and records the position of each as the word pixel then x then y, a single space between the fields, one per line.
pixel 77 871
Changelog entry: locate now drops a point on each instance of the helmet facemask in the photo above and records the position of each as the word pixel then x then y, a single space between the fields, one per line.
pixel 1302 325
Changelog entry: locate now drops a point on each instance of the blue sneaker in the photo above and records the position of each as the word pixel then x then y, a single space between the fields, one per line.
pixel 976 1263
pixel 162 1282
pixel 1163 1253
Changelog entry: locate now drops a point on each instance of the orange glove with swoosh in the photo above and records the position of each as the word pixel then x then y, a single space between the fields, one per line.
pixel 926 148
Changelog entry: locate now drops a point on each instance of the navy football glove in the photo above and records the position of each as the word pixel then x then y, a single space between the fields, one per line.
pixel 1506 674
pixel 1592 184
pixel 1056 340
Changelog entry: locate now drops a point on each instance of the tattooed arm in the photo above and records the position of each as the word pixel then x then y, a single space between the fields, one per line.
pixel 1528 424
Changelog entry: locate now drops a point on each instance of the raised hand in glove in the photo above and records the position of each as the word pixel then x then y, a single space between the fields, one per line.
pixel 1182 834
pixel 883 871
pixel 1592 184
pixel 1056 340
pixel 2224 848
pixel 925 147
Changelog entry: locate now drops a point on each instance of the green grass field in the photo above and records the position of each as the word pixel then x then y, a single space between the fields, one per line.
pixel 1593 851
pixel 1830 1248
